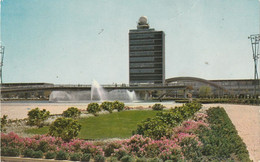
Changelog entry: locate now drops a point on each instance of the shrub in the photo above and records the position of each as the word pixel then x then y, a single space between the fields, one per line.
pixel 109 149
pixel 50 155
pixel 108 106
pixel 61 155
pixel 43 146
pixel 157 107
pixel 141 159
pixel 28 153
pixel 119 106
pixel 37 154
pixel 3 123
pixel 190 149
pixel 154 128
pixel 71 112
pixel 93 108
pixel 127 158
pixel 163 122
pixel 86 157
pixel 156 160
pixel 112 159
pixel 120 153
pixel 66 128
pixel 37 117
pixel 9 151
pixel 222 140
pixel 99 158
pixel 75 156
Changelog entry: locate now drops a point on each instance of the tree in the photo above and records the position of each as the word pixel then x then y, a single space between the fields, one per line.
pixel 108 106
pixel 72 112
pixel 93 108
pixel 205 91
pixel 66 128
pixel 119 106
pixel 3 123
pixel 37 117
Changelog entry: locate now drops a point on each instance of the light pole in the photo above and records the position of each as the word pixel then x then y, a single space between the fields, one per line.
pixel 255 48
pixel 2 48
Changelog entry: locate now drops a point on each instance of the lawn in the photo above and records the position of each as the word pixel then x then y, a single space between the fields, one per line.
pixel 115 125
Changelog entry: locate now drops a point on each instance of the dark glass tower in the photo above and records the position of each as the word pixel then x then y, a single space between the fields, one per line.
pixel 146 54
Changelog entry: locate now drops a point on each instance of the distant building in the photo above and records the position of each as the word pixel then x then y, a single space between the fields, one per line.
pixel 146 54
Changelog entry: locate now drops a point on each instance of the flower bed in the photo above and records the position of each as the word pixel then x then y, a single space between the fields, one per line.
pixel 202 137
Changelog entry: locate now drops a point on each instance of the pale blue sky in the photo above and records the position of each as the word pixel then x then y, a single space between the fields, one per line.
pixel 58 41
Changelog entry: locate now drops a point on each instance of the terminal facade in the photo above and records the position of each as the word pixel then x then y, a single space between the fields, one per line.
pixel 146 54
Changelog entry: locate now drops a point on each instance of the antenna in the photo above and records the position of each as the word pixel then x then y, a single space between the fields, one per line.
pixel 2 48
pixel 255 48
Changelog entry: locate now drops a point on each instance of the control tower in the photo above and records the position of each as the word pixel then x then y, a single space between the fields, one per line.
pixel 146 54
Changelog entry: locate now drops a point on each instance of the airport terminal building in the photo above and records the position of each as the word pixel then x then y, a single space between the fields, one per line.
pixel 146 54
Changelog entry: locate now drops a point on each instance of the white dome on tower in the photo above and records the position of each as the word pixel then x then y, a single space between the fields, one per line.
pixel 143 23
pixel 143 20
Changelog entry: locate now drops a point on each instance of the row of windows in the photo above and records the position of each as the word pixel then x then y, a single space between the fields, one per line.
pixel 144 59
pixel 147 47
pixel 144 42
pixel 141 59
pixel 132 71
pixel 146 81
pixel 145 35
pixel 145 65
pixel 145 77
pixel 145 53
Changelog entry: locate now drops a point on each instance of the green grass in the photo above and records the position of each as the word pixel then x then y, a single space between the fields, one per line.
pixel 42 130
pixel 115 125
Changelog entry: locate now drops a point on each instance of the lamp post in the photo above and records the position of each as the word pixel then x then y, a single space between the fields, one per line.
pixel 255 49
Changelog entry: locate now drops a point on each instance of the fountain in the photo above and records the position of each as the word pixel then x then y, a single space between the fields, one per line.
pixel 97 93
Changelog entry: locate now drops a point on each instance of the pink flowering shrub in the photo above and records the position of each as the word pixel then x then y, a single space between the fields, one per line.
pixel 201 117
pixel 190 126
pixel 139 146
pixel 182 144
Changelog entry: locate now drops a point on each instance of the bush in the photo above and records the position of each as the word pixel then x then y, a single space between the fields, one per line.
pixel 127 158
pixel 157 107
pixel 72 112
pixel 93 108
pixel 222 140
pixel 156 160
pixel 154 128
pixel 50 155
pixel 190 149
pixel 86 157
pixel 119 106
pixel 43 146
pixel 37 154
pixel 112 159
pixel 61 155
pixel 9 151
pixel 162 124
pixel 3 123
pixel 108 106
pixel 120 153
pixel 28 153
pixel 75 156
pixel 99 158
pixel 109 149
pixel 37 117
pixel 142 159
pixel 66 128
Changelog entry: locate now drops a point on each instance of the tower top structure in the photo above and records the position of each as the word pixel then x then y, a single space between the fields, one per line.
pixel 143 23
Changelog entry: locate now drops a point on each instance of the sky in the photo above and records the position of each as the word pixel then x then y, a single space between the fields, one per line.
pixel 76 41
